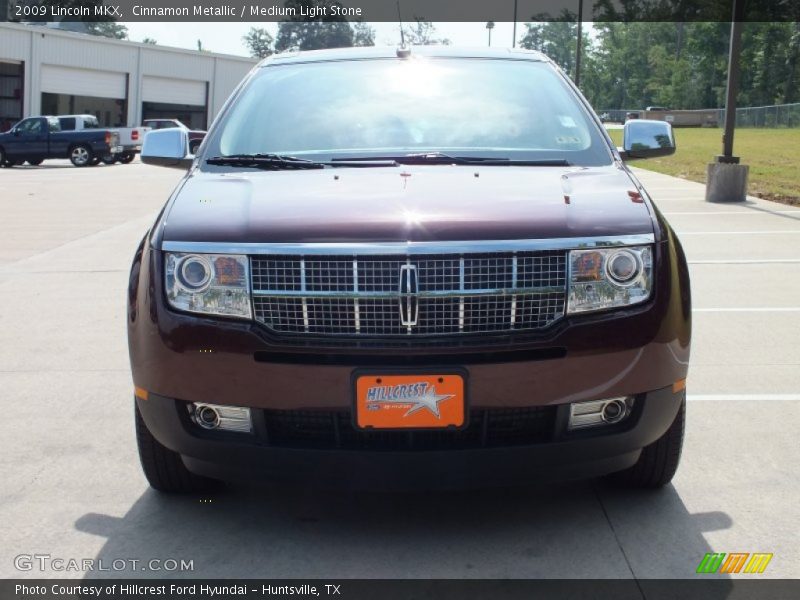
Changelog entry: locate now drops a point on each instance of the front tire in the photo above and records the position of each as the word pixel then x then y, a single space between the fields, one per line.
pixel 81 155
pixel 164 468
pixel 658 462
pixel 4 162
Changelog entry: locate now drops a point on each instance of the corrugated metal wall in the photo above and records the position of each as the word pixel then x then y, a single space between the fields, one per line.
pixel 57 79
pixel 173 91
pixel 40 47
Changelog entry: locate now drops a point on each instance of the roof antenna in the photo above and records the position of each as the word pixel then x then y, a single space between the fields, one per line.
pixel 402 33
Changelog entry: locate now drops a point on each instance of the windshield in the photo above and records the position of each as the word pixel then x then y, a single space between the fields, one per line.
pixel 520 110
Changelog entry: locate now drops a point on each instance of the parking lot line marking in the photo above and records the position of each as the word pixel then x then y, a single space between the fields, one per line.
pixel 746 397
pixel 744 261
pixel 764 232
pixel 750 309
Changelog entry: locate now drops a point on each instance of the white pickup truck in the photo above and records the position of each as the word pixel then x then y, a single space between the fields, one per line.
pixel 130 138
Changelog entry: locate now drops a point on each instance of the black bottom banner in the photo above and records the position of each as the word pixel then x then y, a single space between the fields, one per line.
pixel 394 589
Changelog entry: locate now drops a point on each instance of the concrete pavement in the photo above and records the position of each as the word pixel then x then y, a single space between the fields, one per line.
pixel 73 488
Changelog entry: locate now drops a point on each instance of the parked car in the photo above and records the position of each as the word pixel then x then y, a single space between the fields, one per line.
pixel 36 139
pixel 632 115
pixel 130 138
pixel 196 136
pixel 455 284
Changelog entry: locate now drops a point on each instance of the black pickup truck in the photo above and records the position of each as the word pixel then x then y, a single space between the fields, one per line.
pixel 38 138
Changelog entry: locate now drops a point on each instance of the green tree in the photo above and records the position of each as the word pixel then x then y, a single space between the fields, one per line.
pixel 314 34
pixel 320 33
pixel 680 65
pixel 634 63
pixel 109 29
pixel 793 65
pixel 423 33
pixel 150 41
pixel 259 42
pixel 766 50
pixel 363 34
pixel 557 39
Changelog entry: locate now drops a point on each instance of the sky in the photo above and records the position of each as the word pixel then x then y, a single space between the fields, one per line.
pixel 226 38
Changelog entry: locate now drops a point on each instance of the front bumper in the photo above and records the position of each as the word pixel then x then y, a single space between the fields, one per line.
pixel 245 457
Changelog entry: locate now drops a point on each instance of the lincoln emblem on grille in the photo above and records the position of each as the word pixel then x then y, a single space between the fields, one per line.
pixel 409 304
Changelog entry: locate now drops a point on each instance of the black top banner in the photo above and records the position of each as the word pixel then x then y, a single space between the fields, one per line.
pixel 406 10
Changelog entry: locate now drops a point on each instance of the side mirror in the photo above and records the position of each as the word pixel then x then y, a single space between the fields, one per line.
pixel 15 132
pixel 643 138
pixel 167 148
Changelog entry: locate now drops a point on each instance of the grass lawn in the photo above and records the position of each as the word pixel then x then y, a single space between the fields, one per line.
pixel 772 154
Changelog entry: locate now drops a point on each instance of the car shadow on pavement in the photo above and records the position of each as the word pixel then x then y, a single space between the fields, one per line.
pixel 39 167
pixel 45 167
pixel 794 214
pixel 574 530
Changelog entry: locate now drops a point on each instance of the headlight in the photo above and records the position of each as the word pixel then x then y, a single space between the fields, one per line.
pixel 213 284
pixel 609 277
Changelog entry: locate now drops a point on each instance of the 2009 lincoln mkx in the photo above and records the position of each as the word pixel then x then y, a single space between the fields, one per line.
pixel 402 268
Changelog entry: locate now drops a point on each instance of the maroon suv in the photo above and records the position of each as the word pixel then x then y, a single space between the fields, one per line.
pixel 409 268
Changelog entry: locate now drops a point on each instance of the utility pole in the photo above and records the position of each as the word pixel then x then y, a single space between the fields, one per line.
pixel 514 40
pixel 727 179
pixel 490 26
pixel 580 42
pixel 732 90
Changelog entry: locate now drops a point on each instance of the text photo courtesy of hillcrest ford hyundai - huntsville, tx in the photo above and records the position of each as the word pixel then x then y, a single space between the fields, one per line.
pixel 406 305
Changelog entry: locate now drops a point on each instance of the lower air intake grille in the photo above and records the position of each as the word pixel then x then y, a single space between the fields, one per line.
pixel 487 428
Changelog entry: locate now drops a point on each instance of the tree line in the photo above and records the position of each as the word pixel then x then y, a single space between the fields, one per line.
pixel 678 65
pixel 624 64
pixel 318 35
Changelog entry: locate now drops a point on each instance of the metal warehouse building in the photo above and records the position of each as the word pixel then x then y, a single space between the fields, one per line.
pixel 48 71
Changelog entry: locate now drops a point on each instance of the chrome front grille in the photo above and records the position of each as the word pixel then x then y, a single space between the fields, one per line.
pixel 400 295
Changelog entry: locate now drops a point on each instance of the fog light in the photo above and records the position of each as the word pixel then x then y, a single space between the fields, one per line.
pixel 596 413
pixel 218 416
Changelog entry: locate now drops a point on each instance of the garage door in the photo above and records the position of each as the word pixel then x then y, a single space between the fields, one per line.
pixel 173 91
pixel 83 82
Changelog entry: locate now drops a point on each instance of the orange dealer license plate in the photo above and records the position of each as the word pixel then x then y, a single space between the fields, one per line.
pixel 410 401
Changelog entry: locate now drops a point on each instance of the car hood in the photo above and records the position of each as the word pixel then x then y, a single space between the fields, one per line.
pixel 406 203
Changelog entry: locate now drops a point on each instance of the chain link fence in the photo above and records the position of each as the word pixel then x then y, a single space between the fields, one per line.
pixel 775 115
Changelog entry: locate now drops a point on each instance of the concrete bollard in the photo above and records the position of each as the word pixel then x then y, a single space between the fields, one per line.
pixel 726 182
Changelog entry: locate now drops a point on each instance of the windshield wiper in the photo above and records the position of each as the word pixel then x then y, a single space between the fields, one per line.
pixel 440 158
pixel 278 162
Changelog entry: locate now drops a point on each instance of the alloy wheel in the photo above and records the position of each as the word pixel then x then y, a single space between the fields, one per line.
pixel 80 155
